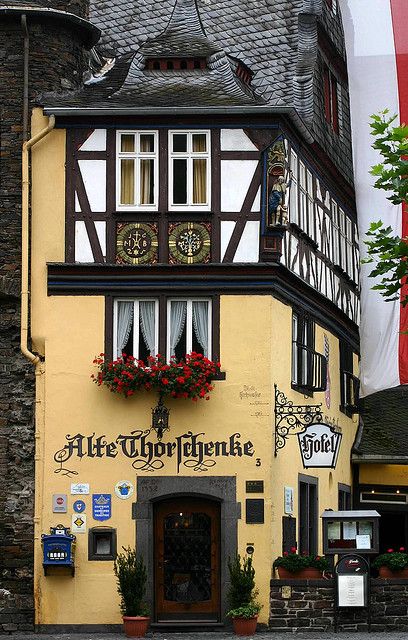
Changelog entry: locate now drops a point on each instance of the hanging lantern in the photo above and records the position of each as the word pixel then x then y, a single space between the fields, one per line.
pixel 160 418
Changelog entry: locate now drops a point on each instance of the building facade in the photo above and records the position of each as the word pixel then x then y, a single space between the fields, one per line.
pixel 195 195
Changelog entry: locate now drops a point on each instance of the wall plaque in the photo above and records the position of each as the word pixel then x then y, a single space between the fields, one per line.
pixel 254 486
pixel 254 511
pixel 59 503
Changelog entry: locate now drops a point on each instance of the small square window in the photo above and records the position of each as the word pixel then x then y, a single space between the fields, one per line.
pixel 101 543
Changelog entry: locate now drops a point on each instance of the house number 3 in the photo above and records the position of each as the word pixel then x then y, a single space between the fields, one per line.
pixel 258 462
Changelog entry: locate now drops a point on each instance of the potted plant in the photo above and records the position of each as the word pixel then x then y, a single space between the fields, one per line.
pixel 131 575
pixel 293 565
pixel 393 564
pixel 241 596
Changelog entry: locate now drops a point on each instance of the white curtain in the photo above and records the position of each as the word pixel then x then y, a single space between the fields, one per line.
pixel 200 324
pixel 148 324
pixel 178 310
pixel 125 319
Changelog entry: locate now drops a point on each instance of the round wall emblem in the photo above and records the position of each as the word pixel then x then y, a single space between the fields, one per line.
pixel 79 506
pixel 136 243
pixel 124 489
pixel 189 242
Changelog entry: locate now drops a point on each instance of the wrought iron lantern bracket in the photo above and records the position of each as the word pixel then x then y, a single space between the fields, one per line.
pixel 160 418
pixel 289 416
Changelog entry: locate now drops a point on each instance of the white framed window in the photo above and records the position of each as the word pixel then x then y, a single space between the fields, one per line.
pixel 136 327
pixel 293 201
pixel 189 170
pixel 137 170
pixel 188 326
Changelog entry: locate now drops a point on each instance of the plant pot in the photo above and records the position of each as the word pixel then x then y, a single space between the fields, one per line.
pixel 386 572
pixel 310 573
pixel 135 626
pixel 244 626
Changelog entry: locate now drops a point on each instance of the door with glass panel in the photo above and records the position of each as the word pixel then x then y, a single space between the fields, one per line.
pixel 187 551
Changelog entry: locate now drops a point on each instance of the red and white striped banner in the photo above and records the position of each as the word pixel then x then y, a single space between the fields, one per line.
pixel 376 33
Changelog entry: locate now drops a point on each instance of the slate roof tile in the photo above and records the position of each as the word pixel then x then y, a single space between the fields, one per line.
pixel 385 431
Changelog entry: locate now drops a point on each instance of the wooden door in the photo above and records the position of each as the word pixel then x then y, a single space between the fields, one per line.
pixel 187 551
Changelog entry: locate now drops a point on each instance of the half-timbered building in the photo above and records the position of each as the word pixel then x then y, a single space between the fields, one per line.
pixel 195 195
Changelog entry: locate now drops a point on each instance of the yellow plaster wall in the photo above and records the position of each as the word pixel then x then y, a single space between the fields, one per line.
pixel 386 474
pixel 255 337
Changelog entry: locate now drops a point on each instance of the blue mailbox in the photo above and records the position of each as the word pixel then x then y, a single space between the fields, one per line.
pixel 58 548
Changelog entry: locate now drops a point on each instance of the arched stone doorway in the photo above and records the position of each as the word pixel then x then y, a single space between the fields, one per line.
pixel 160 501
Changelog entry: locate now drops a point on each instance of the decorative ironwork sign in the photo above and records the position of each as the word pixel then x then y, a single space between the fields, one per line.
pixel 319 445
pixel 292 417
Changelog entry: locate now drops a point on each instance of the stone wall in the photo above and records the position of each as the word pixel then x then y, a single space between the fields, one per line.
pixel 307 605
pixel 56 61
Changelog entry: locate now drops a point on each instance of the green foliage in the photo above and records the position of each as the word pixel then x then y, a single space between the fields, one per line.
pixel 394 560
pixel 246 611
pixel 387 251
pixel 294 562
pixel 131 575
pixel 242 582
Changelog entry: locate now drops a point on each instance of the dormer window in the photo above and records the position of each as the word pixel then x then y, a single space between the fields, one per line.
pixel 175 64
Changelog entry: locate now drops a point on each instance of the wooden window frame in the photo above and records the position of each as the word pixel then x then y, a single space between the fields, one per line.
pixel 189 155
pixel 308 516
pixel 304 357
pixel 136 302
pixel 137 156
pixel 189 322
pixel 330 95
pixel 343 496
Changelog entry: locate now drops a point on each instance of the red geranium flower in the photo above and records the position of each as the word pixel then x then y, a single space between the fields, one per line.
pixel 390 550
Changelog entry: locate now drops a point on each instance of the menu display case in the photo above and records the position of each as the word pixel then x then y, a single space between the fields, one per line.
pixel 345 531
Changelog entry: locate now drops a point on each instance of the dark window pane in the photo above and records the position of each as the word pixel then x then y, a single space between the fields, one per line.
pixel 181 346
pixel 146 181
pixel 180 142
pixel 146 143
pixel 128 348
pixel 180 182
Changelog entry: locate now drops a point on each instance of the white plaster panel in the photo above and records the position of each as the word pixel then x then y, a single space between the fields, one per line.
pixel 236 176
pixel 77 206
pixel 248 248
pixel 94 177
pixel 236 140
pixel 256 207
pixel 83 251
pixel 95 142
pixel 100 226
pixel 227 227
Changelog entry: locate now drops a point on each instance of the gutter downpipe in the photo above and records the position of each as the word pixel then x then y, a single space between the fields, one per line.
pixel 25 75
pixel 25 223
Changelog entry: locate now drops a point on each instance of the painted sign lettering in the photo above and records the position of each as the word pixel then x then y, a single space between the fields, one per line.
pixel 189 450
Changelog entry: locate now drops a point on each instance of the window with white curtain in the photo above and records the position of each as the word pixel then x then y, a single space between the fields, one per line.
pixel 189 170
pixel 136 328
pixel 137 170
pixel 188 327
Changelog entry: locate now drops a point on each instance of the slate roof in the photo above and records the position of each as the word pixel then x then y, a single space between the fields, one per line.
pixel 260 34
pixel 385 426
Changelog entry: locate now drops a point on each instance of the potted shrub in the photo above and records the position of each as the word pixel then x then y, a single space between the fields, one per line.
pixel 241 596
pixel 131 575
pixel 393 564
pixel 293 565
